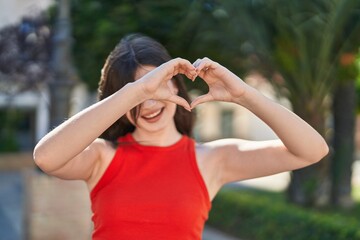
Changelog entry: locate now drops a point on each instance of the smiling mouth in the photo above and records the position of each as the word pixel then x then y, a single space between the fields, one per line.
pixel 153 115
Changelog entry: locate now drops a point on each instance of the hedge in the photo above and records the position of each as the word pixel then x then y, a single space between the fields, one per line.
pixel 253 215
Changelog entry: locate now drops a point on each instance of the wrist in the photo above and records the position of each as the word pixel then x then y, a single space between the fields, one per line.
pixel 137 92
pixel 250 98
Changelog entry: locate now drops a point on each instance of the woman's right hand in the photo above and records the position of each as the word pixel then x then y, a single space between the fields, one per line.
pixel 156 83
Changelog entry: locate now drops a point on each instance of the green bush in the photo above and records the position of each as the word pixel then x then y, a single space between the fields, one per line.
pixel 8 127
pixel 257 215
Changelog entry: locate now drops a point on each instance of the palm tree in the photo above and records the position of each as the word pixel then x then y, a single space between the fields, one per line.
pixel 297 44
pixel 344 111
pixel 308 38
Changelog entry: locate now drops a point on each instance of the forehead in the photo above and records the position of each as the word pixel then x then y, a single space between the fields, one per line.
pixel 142 70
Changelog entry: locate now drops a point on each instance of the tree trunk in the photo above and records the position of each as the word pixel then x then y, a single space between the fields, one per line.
pixel 344 110
pixel 60 100
pixel 65 76
pixel 310 186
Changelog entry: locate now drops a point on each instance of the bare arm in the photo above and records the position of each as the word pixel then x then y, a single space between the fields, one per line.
pixel 299 144
pixel 76 134
pixel 72 149
pixel 297 136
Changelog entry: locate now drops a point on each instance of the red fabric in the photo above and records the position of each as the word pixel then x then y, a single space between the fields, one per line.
pixel 151 192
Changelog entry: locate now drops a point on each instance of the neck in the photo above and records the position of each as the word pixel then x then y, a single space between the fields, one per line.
pixel 163 138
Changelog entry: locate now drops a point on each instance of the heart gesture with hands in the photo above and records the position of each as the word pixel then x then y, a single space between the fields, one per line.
pixel 223 84
pixel 156 84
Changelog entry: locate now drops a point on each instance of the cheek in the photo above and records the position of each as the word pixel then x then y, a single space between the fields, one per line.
pixel 172 108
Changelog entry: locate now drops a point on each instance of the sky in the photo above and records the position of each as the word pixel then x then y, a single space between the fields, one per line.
pixel 11 11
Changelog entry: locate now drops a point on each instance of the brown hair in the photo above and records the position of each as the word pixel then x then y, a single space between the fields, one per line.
pixel 131 52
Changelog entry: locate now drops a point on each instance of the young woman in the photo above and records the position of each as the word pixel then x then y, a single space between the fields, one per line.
pixel 147 177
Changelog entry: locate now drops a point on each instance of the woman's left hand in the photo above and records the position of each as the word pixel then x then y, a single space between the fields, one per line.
pixel 223 84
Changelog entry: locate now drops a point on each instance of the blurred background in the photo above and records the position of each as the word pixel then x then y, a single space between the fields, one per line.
pixel 302 54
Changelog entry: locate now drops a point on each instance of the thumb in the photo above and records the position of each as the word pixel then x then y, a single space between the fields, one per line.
pixel 201 99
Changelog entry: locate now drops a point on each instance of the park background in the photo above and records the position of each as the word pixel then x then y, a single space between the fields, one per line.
pixel 303 54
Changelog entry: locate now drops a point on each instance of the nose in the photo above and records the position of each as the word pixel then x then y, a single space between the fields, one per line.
pixel 150 103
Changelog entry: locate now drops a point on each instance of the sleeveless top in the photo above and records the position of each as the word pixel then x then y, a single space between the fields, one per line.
pixel 150 192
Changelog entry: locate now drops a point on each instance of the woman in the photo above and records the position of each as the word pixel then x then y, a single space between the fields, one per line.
pixel 147 178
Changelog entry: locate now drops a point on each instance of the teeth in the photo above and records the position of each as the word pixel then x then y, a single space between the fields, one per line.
pixel 153 114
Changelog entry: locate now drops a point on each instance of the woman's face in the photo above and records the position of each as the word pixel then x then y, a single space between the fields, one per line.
pixel 154 115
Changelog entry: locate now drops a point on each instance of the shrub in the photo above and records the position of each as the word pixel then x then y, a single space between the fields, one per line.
pixel 257 215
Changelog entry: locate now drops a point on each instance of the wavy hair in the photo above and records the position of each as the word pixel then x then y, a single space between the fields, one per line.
pixel 130 53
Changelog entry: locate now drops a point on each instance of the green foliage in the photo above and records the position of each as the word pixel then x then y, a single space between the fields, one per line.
pixel 7 131
pixel 262 215
pixel 299 39
pixel 307 39
pixel 99 25
pixel 188 28
pixel 257 215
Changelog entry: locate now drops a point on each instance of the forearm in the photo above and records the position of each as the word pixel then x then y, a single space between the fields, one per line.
pixel 298 136
pixel 75 134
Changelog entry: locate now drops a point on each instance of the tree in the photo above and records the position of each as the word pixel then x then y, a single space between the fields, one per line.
pixel 308 38
pixel 25 53
pixel 297 44
pixel 99 25
pixel 64 73
pixel 344 112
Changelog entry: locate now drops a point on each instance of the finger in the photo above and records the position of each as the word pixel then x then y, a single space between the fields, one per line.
pixel 197 62
pixel 192 74
pixel 183 66
pixel 204 65
pixel 189 73
pixel 180 101
pixel 174 66
pixel 201 99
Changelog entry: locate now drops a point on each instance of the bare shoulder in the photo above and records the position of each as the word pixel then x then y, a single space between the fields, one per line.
pixel 227 146
pixel 85 165
pixel 218 148
pixel 213 161
pixel 104 147
pixel 106 151
pixel 212 154
pixel 208 157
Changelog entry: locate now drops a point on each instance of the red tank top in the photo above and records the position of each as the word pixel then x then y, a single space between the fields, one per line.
pixel 150 192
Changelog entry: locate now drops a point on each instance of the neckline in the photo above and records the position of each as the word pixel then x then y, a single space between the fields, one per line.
pixel 129 138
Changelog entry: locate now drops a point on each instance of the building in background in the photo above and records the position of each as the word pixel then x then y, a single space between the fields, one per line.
pixel 226 120
pixel 11 12
pixel 23 58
